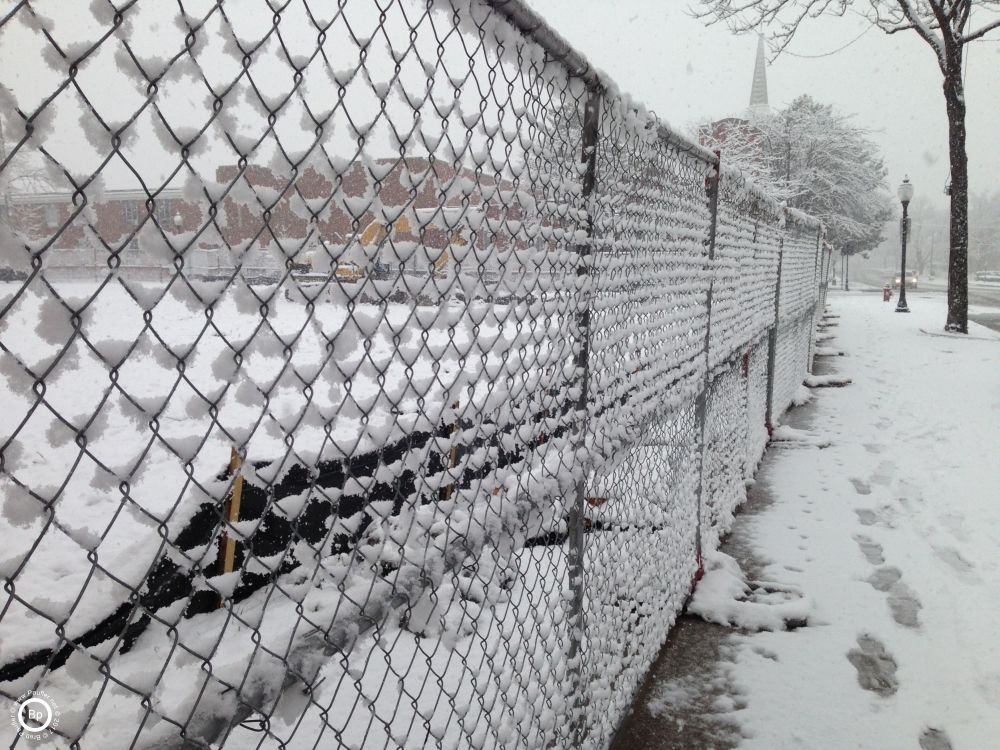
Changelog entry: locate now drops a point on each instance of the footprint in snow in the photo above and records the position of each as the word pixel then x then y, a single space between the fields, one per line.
pixel 934 739
pixel 988 686
pixel 883 473
pixel 883 517
pixel 910 494
pixel 861 487
pixel 953 558
pixel 866 517
pixel 875 666
pixel 884 578
pixel 904 604
pixel 870 549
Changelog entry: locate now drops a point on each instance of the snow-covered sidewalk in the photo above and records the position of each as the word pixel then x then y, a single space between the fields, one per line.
pixel 892 532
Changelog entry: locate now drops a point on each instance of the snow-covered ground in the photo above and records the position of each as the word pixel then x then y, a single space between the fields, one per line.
pixel 35 330
pixel 892 532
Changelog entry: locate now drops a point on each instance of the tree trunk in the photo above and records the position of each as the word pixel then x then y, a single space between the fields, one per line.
pixel 958 260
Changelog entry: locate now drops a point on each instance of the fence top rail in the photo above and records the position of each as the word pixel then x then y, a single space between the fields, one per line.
pixel 535 28
pixel 532 26
pixel 802 217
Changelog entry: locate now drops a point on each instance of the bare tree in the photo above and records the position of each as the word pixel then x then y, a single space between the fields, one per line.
pixel 20 173
pixel 945 25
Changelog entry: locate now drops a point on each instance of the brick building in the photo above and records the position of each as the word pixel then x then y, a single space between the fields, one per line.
pixel 284 208
pixel 266 219
pixel 52 224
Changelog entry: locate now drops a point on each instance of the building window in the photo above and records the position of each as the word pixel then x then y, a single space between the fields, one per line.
pixel 163 213
pixel 51 215
pixel 131 209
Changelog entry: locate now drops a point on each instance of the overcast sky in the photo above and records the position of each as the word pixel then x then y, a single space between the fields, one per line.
pixel 687 73
pixel 654 49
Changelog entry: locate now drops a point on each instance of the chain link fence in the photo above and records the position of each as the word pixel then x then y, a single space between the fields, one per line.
pixel 375 374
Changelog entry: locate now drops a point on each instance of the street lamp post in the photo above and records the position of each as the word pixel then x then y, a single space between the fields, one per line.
pixel 905 193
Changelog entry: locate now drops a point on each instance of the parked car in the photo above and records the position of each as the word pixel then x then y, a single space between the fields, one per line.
pixel 911 281
pixel 988 276
pixel 349 273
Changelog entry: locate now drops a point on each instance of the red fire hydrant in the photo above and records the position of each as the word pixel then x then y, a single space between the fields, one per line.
pixel 886 293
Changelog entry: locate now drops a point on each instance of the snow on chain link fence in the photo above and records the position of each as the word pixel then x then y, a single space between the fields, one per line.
pixel 375 373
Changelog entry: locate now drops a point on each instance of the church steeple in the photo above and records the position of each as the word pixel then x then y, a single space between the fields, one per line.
pixel 758 92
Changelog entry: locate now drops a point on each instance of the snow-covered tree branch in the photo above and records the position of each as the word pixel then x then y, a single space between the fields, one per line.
pixel 815 159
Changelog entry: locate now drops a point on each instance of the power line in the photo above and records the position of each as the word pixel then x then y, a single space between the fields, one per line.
pixel 832 52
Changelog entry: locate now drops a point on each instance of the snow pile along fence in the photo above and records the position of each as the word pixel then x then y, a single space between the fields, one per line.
pixel 375 377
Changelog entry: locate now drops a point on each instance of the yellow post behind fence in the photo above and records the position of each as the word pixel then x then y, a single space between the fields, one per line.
pixel 452 454
pixel 232 510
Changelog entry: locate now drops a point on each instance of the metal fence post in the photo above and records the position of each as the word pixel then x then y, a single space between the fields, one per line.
pixel 831 274
pixel 829 268
pixel 701 405
pixel 575 520
pixel 772 336
pixel 816 308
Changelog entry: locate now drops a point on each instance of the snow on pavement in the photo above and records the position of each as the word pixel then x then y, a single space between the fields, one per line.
pixel 893 532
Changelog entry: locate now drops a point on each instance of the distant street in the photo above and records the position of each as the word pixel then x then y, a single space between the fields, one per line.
pixel 984 299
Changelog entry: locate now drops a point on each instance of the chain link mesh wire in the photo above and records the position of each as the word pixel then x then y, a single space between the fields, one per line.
pixel 364 383
pixel 797 308
pixel 647 329
pixel 756 375
pixel 748 243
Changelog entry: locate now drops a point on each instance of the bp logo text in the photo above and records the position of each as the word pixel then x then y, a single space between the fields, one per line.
pixel 34 715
